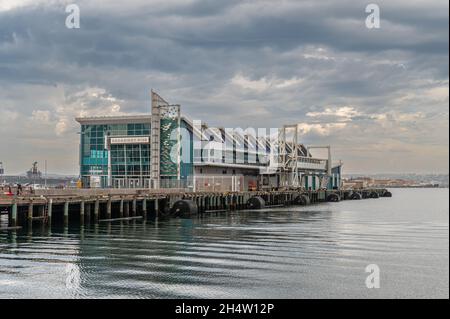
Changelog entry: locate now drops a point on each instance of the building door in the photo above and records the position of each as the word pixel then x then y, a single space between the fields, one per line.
pixel 119 183
pixel 134 183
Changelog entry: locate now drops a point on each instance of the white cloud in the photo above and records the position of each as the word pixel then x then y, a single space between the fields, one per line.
pixel 344 112
pixel 286 83
pixel 258 85
pixel 41 116
pixel 11 4
pixel 320 129
pixel 398 117
pixel 6 5
pixel 92 101
pixel 264 83
pixel 318 54
pixel 62 126
pixel 7 117
pixel 439 93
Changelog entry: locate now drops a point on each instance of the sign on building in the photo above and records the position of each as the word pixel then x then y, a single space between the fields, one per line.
pixel 130 140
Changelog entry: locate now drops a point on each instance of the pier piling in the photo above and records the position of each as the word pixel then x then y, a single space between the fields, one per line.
pixel 66 213
pixel 144 207
pixel 131 204
pixel 134 208
pixel 96 210
pixel 127 209
pixel 30 211
pixel 87 212
pixel 49 211
pixel 156 208
pixel 13 221
pixel 82 208
pixel 109 208
pixel 121 208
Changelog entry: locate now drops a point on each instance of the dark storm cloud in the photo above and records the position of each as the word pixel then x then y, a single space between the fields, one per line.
pixel 235 63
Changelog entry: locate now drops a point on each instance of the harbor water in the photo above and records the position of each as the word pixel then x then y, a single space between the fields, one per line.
pixel 317 251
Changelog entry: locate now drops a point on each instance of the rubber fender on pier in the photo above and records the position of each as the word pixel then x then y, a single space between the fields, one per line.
pixel 184 207
pixel 256 202
pixel 387 193
pixel 164 208
pixel 355 196
pixel 302 200
pixel 374 195
pixel 333 197
pixel 348 195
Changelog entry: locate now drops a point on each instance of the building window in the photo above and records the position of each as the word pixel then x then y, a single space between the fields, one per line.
pixel 224 172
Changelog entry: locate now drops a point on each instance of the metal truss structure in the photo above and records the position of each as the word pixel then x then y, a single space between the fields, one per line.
pixel 289 156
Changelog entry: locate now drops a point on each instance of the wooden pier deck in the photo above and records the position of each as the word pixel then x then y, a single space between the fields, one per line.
pixel 92 206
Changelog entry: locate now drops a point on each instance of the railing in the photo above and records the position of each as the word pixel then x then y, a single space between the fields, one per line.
pixel 186 184
pixel 104 192
pixel 312 163
pixel 240 157
pixel 218 183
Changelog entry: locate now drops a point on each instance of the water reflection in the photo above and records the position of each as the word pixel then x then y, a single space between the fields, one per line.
pixel 319 251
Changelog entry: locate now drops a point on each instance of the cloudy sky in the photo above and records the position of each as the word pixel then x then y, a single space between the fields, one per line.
pixel 379 96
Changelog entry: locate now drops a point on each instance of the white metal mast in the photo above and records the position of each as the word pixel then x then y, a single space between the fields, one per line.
pixel 289 153
pixel 162 109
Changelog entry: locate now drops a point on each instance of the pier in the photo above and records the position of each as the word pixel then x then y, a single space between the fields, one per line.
pixel 103 205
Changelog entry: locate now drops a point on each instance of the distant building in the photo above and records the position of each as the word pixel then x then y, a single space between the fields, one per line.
pixel 354 183
pixel 34 172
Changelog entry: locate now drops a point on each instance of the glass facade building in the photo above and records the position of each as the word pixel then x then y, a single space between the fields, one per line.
pixel 115 152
